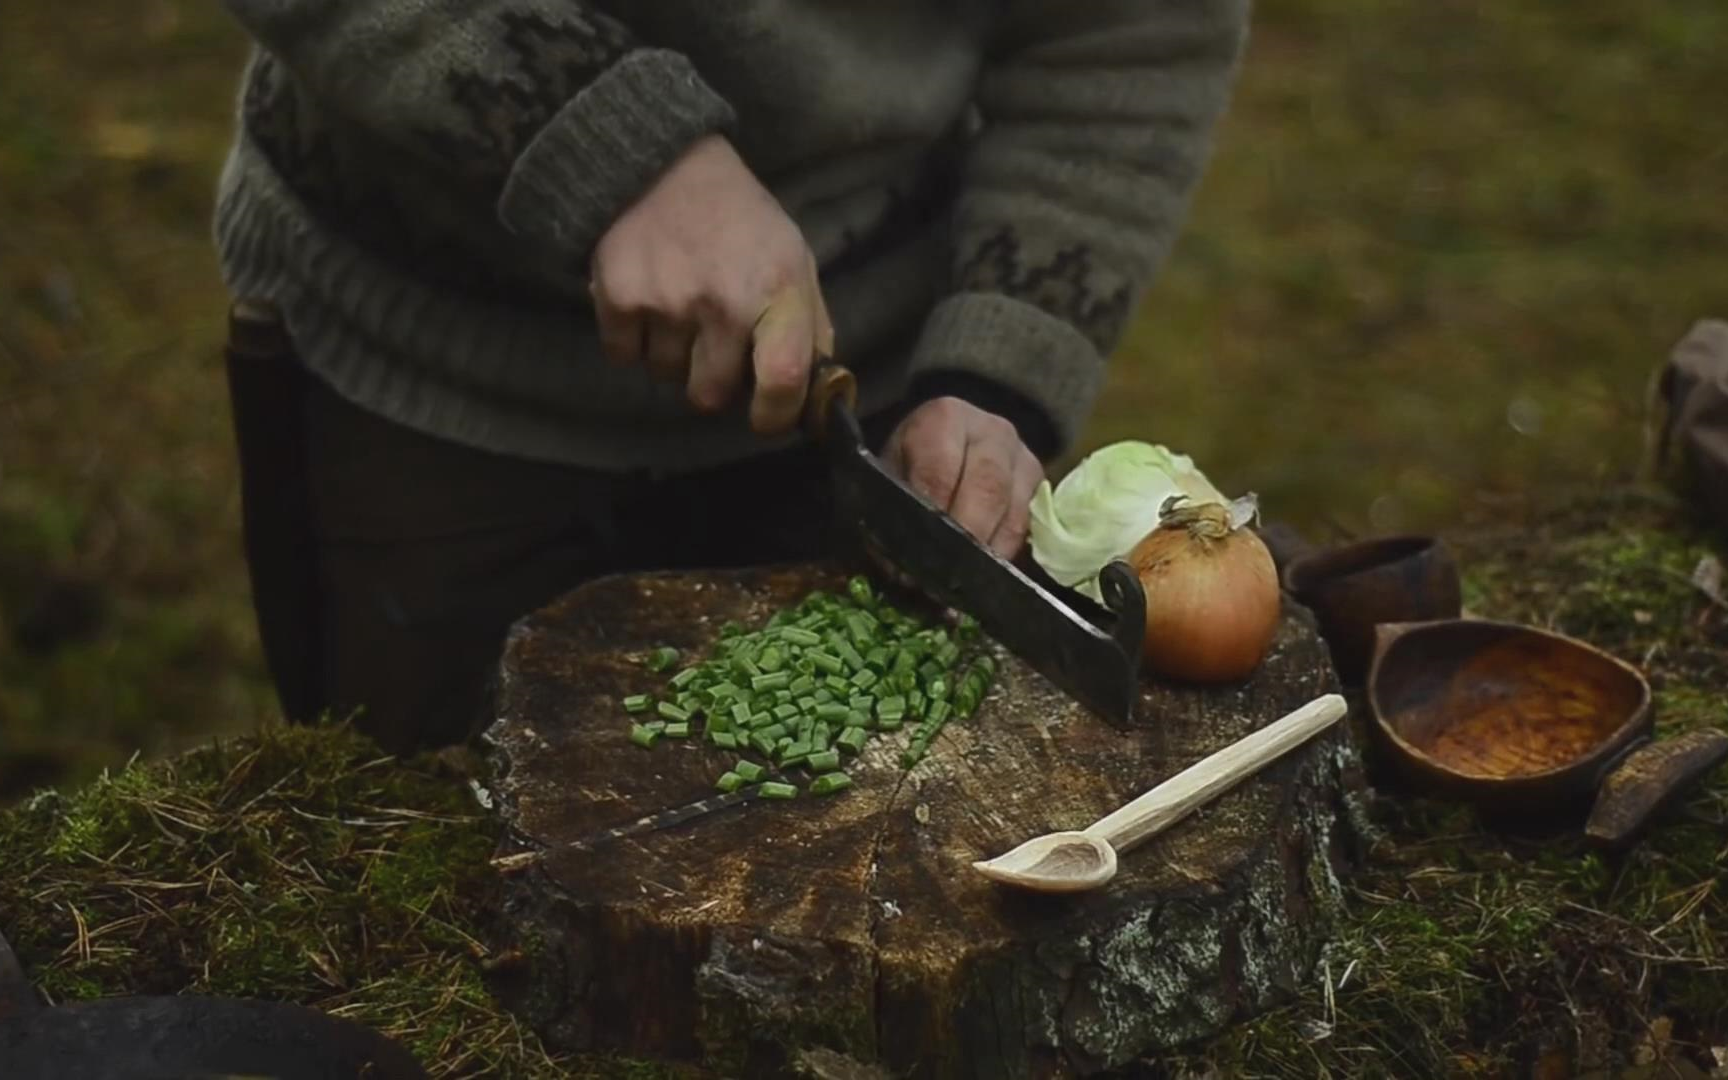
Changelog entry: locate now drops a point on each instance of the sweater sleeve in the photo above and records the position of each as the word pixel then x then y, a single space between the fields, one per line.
pixel 548 108
pixel 1097 123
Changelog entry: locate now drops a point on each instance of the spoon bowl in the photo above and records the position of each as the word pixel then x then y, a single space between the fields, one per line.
pixel 1055 862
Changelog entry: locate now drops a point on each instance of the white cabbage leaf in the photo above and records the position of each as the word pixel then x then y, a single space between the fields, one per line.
pixel 1105 506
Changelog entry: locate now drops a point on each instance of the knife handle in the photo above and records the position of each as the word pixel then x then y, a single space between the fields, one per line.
pixel 829 382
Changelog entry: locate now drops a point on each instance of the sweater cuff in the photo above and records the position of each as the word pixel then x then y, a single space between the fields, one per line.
pixel 1011 358
pixel 607 146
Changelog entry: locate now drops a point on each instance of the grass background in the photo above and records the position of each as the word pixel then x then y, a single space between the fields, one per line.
pixel 1441 249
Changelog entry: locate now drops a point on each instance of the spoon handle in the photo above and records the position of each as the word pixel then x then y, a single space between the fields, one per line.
pixel 1210 777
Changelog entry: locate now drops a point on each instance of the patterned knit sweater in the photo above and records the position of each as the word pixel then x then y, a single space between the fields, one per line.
pixel 988 187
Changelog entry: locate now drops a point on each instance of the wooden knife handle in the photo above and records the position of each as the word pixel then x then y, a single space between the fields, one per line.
pixel 829 382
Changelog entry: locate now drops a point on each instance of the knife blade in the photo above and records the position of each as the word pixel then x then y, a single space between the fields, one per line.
pixel 1097 665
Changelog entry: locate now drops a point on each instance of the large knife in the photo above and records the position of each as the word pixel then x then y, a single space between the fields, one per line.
pixel 1094 657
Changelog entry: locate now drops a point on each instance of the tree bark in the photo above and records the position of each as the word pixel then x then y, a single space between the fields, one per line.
pixel 856 923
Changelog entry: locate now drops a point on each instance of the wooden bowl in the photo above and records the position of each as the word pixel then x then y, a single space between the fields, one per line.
pixel 1522 721
pixel 1354 588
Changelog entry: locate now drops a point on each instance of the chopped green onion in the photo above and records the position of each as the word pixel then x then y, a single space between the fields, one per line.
pixel 886 724
pixel 685 678
pixel 644 737
pixel 741 714
pixel 829 663
pixel 773 789
pixel 730 782
pixel 939 713
pixel 637 703
pixel 877 660
pixel 761 744
pixel 680 730
pixel 777 680
pixel 832 712
pixel 749 770
pixel 891 708
pixel 773 732
pixel 725 740
pixel 854 659
pixel 860 591
pixel 938 688
pixel 829 783
pixel 771 661
pixel 795 753
pixel 672 712
pixel 822 696
pixel 865 679
pixel 824 761
pixel 799 636
pixel 838 685
pixel 803 684
pixel 662 659
pixel 853 740
pixel 785 712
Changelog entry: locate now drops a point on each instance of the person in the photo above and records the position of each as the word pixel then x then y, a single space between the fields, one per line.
pixel 555 273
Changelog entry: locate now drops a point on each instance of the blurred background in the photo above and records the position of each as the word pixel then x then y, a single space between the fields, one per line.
pixel 1442 248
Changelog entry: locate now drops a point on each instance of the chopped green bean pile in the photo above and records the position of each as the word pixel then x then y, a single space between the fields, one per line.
pixel 814 686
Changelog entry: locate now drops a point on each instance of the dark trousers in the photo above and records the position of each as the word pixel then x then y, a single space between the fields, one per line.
pixel 387 566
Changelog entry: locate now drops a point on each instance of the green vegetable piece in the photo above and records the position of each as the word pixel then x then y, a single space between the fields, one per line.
pixel 824 761
pixel 807 703
pixel 673 712
pixel 939 713
pixel 862 595
pixel 947 653
pixel 684 678
pixel 863 703
pixel 680 730
pixel 829 783
pixel 832 712
pixel 746 667
pixel 729 782
pixel 915 703
pixel 725 740
pixel 794 752
pixel 771 661
pixel 891 708
pixel 914 753
pixel 938 688
pixel 854 659
pixel 774 732
pixel 762 744
pixel 638 703
pixel 776 680
pixel 741 714
pixel 801 637
pixel 889 725
pixel 827 662
pixel 837 685
pixel 644 737
pixel 823 696
pixel 662 659
pixel 878 659
pixel 731 630
pixel 785 712
pixel 803 684
pixel 852 740
pixel 749 770
pixel 865 679
pixel 820 738
pixel 773 789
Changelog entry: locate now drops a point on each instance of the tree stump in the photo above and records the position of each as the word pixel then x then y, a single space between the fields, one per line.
pixel 855 925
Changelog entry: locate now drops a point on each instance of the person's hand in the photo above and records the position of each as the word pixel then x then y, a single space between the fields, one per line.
pixel 972 464
pixel 707 282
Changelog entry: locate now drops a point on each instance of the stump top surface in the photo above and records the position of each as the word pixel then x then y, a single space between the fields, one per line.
pixel 885 865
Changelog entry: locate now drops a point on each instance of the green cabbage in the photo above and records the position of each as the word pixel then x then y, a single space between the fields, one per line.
pixel 1107 505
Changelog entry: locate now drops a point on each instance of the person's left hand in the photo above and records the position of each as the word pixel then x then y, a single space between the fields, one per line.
pixel 972 464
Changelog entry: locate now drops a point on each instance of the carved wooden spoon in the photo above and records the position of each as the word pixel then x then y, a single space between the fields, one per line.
pixel 1077 861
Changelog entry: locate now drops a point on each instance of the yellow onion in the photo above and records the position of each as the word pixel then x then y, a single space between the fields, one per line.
pixel 1212 598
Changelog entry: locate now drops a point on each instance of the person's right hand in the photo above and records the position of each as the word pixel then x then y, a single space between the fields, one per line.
pixel 707 281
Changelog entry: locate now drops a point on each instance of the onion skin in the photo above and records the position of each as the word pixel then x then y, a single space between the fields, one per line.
pixel 1212 597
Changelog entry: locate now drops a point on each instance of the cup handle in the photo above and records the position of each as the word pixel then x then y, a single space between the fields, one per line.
pixel 1648 781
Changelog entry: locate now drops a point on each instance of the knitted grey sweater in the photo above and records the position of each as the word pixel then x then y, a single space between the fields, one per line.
pixel 988 187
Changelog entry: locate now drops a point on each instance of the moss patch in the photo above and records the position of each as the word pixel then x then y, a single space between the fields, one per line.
pixel 297 865
pixel 1468 954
